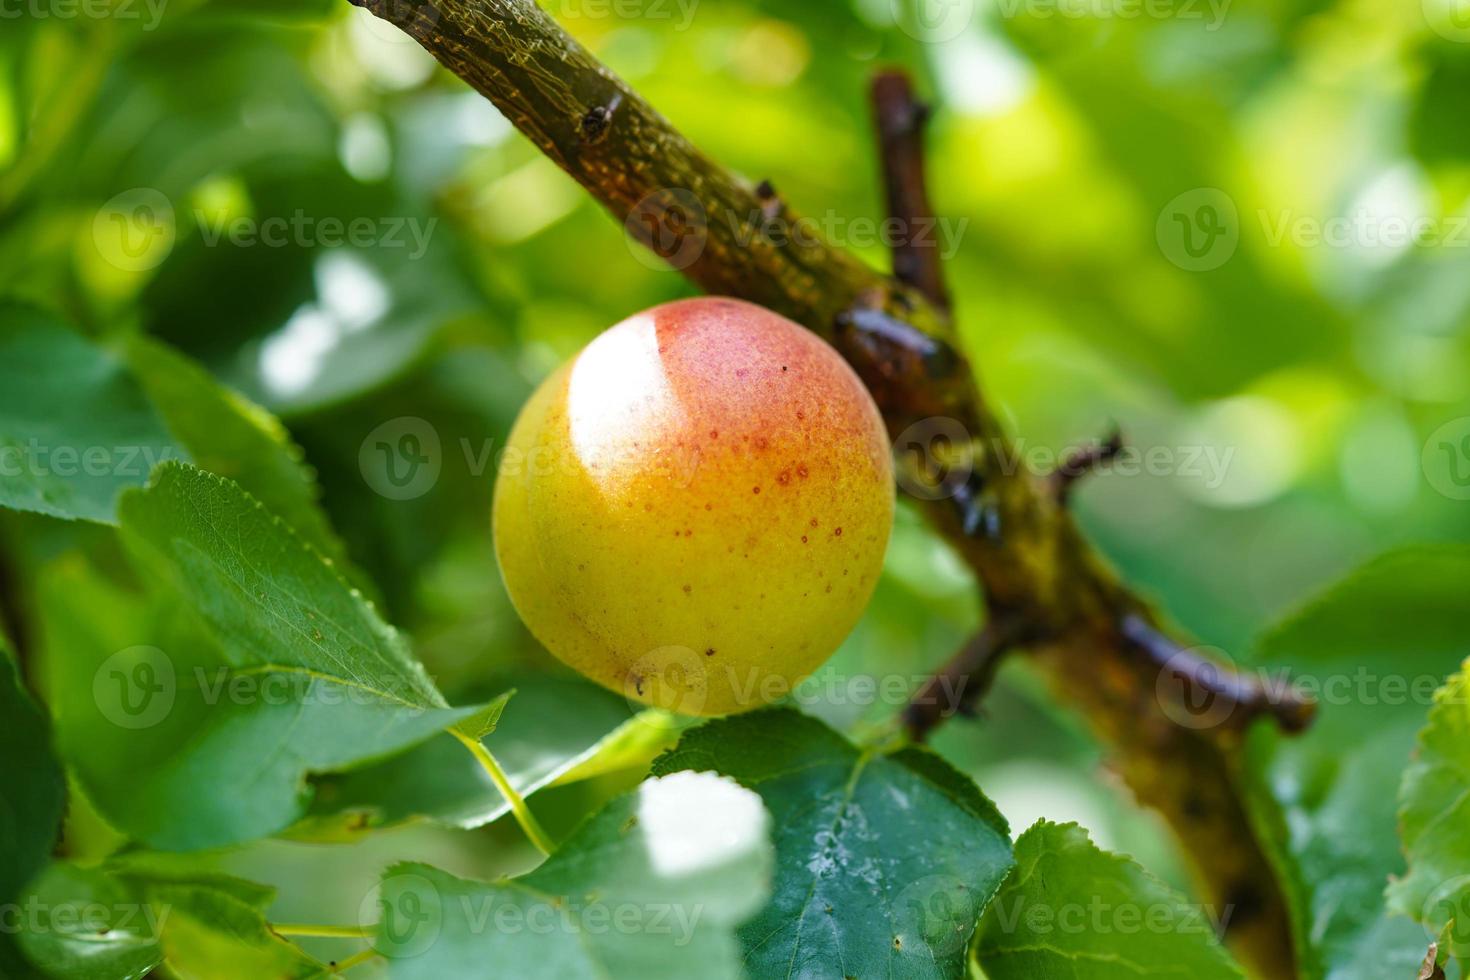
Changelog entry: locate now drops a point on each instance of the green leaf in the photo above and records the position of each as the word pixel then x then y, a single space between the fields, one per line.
pixel 554 730
pixel 34 798
pixel 267 595
pixel 234 438
pixel 1434 814
pixel 868 846
pixel 652 885
pixel 75 428
pixel 117 940
pixel 35 788
pixel 121 920
pixel 1071 909
pixel 193 733
pixel 1373 649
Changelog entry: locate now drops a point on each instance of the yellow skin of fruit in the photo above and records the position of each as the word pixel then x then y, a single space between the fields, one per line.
pixel 693 511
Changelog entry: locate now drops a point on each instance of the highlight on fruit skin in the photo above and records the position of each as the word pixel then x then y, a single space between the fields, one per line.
pixel 694 509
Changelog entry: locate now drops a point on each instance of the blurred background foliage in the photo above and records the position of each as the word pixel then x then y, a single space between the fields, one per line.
pixel 1060 140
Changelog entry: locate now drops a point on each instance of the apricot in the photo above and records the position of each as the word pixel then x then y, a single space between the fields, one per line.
pixel 693 510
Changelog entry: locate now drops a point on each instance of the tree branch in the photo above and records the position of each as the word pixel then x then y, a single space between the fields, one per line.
pixel 900 119
pixel 1006 524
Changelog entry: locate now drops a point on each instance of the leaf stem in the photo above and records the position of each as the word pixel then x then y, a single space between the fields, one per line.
pixel 518 807
pixel 321 932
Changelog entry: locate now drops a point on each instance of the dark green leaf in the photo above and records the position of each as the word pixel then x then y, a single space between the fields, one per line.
pixel 33 799
pixel 868 846
pixel 75 428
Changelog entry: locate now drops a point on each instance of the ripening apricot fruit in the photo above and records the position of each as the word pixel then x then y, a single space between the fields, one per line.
pixel 694 509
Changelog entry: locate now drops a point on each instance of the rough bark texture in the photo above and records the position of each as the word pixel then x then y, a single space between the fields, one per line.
pixel 1081 626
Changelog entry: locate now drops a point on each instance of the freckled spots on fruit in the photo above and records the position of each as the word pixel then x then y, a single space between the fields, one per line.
pixel 838 532
pixel 784 477
pixel 762 443
pixel 829 588
pixel 783 367
pixel 709 651
pixel 688 589
pixel 755 489
pixel 897 943
pixel 803 539
pixel 688 532
pixel 316 634
pixel 709 506
pixel 814 522
pixel 648 507
pixel 714 433
pixel 800 416
pixel 801 471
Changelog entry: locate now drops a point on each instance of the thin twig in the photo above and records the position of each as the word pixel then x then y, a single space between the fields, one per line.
pixel 900 119
pixel 968 675
pixel 1082 462
pixel 1227 696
